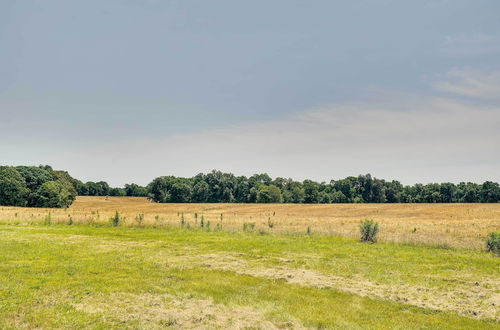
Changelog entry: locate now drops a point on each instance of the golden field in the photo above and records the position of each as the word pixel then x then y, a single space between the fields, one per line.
pixel 457 225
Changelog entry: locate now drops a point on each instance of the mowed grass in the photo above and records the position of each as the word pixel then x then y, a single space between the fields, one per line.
pixel 78 276
pixel 455 225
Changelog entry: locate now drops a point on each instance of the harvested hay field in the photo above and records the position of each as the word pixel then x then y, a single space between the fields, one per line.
pixel 445 225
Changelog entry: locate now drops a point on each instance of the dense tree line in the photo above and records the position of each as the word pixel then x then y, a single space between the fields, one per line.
pixel 43 187
pixel 36 187
pixel 218 187
pixel 102 188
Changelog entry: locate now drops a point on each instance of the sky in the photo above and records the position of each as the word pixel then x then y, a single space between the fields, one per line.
pixel 128 90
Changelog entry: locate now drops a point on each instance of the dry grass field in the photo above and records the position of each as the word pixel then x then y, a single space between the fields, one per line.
pixel 454 225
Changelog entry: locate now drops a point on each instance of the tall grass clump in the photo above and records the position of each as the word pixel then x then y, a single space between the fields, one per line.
pixel 368 230
pixel 139 219
pixel 183 221
pixel 47 220
pixel 493 243
pixel 249 226
pixel 115 220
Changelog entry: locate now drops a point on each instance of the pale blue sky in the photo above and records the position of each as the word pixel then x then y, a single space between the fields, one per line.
pixel 129 90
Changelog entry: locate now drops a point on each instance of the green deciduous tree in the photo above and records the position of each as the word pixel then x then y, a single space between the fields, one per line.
pixel 269 194
pixel 13 189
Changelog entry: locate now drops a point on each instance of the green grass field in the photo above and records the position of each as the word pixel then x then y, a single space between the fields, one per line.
pixel 101 277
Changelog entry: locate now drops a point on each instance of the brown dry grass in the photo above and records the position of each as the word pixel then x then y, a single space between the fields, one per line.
pixel 458 225
pixel 151 311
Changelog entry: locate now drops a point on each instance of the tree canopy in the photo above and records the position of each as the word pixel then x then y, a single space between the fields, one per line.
pixel 41 186
pixel 36 187
pixel 219 187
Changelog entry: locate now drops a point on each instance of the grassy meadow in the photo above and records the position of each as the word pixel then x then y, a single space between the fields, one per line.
pixel 150 272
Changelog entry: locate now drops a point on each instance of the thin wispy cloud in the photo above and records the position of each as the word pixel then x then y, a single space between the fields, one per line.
pixel 469 82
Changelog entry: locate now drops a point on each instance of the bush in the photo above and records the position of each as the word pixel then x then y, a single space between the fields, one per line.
pixel 115 220
pixel 493 243
pixel 369 230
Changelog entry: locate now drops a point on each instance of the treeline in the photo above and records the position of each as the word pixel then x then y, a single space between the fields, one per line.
pixel 36 187
pixel 218 187
pixel 102 188
pixel 41 186
pixel 44 187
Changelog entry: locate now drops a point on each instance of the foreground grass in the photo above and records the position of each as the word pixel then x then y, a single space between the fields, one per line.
pixel 80 276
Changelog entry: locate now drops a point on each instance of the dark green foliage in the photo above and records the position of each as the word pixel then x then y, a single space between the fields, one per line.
pixel 117 192
pixel 13 189
pixel 269 194
pixel 35 176
pixel 369 230
pixel 169 189
pixel 22 186
pixel 90 188
pixel 36 187
pixel 493 243
pixel 218 187
pixel 54 194
pixel 135 190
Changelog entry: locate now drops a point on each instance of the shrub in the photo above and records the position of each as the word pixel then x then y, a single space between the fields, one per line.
pixel 493 243
pixel 369 230
pixel 115 220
